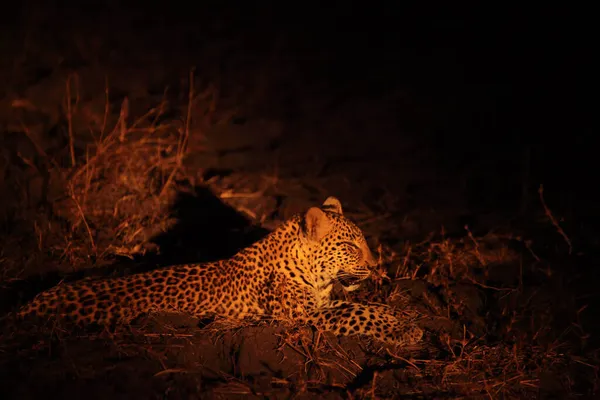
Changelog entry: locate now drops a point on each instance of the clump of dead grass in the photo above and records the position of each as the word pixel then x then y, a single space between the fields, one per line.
pixel 120 196
pixel 110 189
pixel 444 260
pixel 121 181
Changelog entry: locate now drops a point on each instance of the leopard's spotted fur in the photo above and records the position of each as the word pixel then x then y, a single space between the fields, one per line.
pixel 289 273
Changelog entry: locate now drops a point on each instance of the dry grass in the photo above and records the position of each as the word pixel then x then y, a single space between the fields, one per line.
pixel 126 183
pixel 116 192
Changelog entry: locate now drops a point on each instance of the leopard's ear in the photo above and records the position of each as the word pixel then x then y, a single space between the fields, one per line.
pixel 317 224
pixel 332 204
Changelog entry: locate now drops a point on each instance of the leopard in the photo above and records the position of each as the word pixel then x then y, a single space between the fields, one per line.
pixel 287 275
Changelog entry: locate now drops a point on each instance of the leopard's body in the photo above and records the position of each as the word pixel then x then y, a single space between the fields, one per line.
pixel 288 274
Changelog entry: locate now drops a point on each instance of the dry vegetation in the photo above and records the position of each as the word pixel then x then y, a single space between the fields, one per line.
pixel 497 327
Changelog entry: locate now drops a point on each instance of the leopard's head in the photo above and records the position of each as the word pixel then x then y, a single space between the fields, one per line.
pixel 339 249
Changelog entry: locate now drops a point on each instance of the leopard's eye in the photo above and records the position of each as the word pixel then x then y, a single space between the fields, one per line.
pixel 351 244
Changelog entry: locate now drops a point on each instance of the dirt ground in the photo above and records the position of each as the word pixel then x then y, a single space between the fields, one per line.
pixel 183 138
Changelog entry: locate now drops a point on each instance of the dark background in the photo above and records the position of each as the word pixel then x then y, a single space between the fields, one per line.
pixel 493 100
